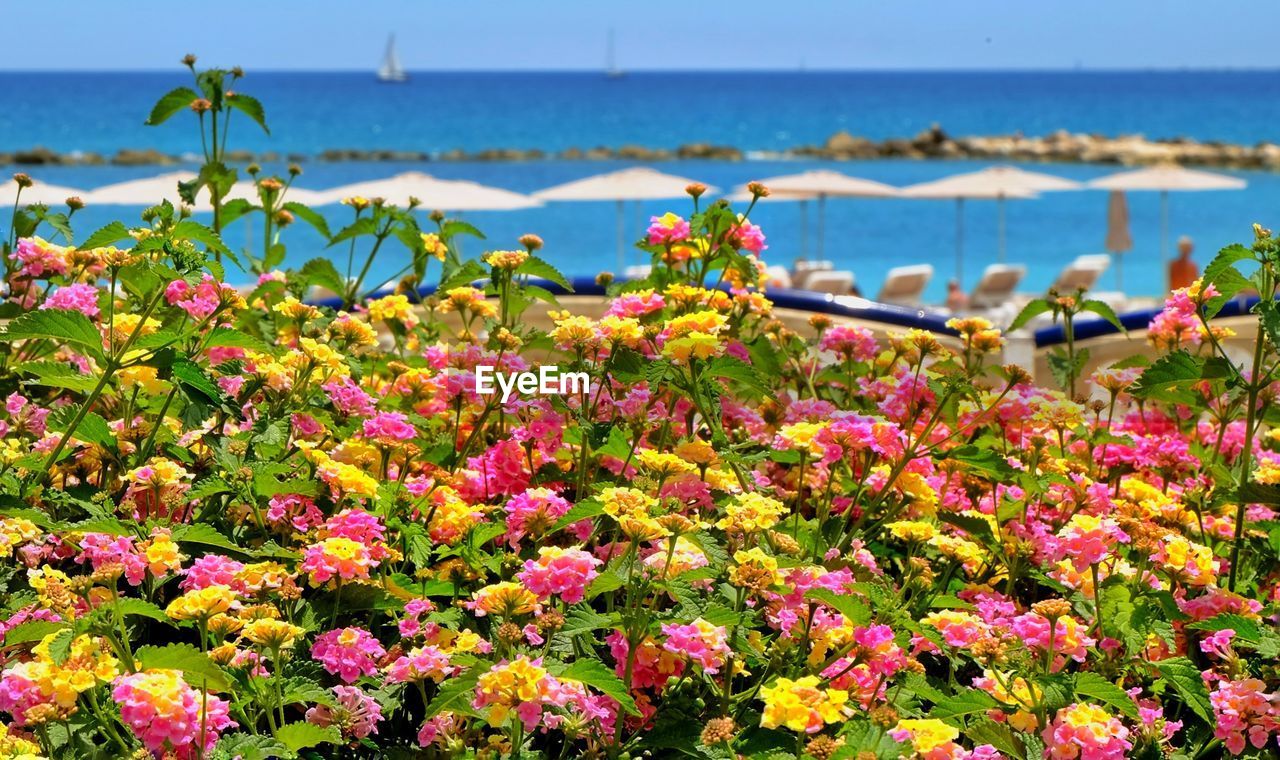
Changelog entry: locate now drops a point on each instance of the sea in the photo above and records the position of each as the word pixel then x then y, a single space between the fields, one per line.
pixel 758 112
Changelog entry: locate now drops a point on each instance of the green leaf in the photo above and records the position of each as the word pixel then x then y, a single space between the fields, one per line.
pixel 455 694
pixel 310 216
pixel 733 368
pixel 204 535
pixel 170 104
pixel 536 267
pixel 1169 379
pixel 852 607
pixel 57 375
pixel 601 678
pixel 1223 275
pixel 985 461
pixel 1185 678
pixel 365 225
pixel 194 664
pixel 454 227
pixel 128 606
pixel 581 511
pixel 250 106
pixel 299 736
pixel 997 735
pixel 191 377
pixel 1030 312
pixel 965 702
pixel 322 272
pixel 196 232
pixel 1269 317
pixel 32 630
pixel 60 325
pixel 1106 312
pixel 248 747
pixel 226 337
pixel 1090 684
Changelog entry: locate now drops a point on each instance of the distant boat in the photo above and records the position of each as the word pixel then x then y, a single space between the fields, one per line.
pixel 611 69
pixel 390 71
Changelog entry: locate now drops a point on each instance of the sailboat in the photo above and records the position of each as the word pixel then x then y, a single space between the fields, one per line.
pixel 390 70
pixel 611 69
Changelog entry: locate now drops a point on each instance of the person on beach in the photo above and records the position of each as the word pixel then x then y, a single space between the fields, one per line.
pixel 956 298
pixel 1183 271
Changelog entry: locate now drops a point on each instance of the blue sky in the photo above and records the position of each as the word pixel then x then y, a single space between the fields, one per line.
pixel 665 34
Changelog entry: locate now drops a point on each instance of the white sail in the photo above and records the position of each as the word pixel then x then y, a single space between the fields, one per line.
pixel 390 71
pixel 611 69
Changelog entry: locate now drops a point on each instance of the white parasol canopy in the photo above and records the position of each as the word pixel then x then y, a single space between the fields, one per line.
pixel 822 184
pixel 1167 178
pixel 433 192
pixel 636 184
pixel 39 192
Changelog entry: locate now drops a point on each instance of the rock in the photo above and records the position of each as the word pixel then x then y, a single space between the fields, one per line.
pixel 598 154
pixel 239 156
pixel 707 151
pixel 36 156
pixel 144 157
pixel 570 154
pixel 297 158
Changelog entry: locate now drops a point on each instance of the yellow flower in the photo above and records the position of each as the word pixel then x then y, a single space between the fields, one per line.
pixel 434 246
pixel 15 531
pixel 393 308
pixel 505 260
pixel 271 633
pixel 575 332
pixel 294 309
pixel 912 530
pixel 750 513
pixel 754 568
pixel 694 345
pixel 202 603
pixel 506 686
pixel 802 436
pixel 802 706
pixel 506 599
pixel 662 464
pixel 926 734
pixel 623 501
pixel 161 553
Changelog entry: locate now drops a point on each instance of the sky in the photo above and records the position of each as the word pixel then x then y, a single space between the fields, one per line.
pixel 650 34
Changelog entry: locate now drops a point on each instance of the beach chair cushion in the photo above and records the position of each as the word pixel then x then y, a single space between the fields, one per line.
pixel 905 285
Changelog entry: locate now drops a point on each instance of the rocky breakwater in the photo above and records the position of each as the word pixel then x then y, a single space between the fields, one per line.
pixel 932 143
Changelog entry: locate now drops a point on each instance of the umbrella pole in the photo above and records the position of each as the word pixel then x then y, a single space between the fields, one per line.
pixel 1164 238
pixel 804 229
pixel 1000 226
pixel 960 241
pixel 622 235
pixel 822 226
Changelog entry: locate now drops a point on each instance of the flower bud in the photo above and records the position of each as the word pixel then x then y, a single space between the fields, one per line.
pixel 200 105
pixel 23 180
pixel 695 189
pixel 531 241
pixel 189 60
pixel 757 190
pixel 75 203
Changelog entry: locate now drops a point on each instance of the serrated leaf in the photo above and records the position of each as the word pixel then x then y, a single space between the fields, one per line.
pixel 1169 378
pixel 310 216
pixel 1030 312
pixel 455 694
pixel 57 375
pixel 169 104
pixel 1185 678
pixel 226 337
pixel 963 703
pixel 852 607
pixel 196 232
pixel 240 746
pixel 32 630
pixel 595 674
pixel 536 267
pixel 1223 275
pixel 249 106
pixel 193 378
pixel 59 325
pixel 195 665
pixel 322 272
pixel 1106 312
pixel 585 509
pixel 204 535
pixel 1090 684
pixel 300 736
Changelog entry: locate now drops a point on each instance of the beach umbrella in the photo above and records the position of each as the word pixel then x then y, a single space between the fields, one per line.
pixel 433 193
pixel 636 184
pixel 822 184
pixel 998 182
pixel 1167 178
pixel 247 190
pixel 970 186
pixel 39 192
pixel 1118 241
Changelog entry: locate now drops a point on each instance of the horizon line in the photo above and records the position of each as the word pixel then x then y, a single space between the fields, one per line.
pixel 709 70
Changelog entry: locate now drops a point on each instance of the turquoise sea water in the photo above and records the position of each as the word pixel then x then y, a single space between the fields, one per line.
pixel 757 112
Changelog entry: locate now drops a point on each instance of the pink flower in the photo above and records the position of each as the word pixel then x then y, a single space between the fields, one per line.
pixel 566 572
pixel 211 570
pixel 666 229
pixel 348 653
pixel 532 513
pixel 39 258
pixel 420 664
pixel 1244 709
pixel 164 712
pixel 747 236
pixel 850 342
pixel 79 297
pixel 300 512
pixel 700 642
pixel 355 713
pixel 348 398
pixel 389 428
pixel 1087 732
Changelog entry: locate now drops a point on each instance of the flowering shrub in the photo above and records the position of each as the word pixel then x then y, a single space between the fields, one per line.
pixel 239 524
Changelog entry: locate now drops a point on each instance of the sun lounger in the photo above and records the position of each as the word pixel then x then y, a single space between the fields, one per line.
pixel 637 271
pixel 777 277
pixel 905 286
pixel 1082 273
pixel 997 286
pixel 805 268
pixel 830 281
